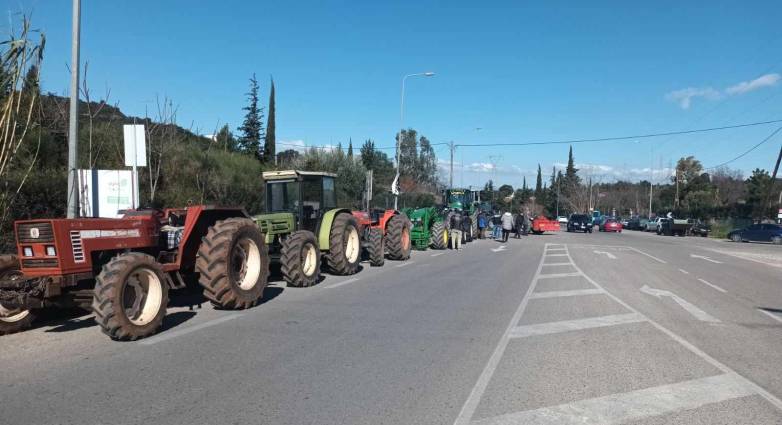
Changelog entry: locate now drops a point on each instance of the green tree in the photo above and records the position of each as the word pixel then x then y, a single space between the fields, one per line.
pixel 757 187
pixel 226 139
pixel 270 142
pixel 427 163
pixel 350 148
pixel 539 184
pixel 251 130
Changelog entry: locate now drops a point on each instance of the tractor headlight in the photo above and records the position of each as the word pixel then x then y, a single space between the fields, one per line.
pixel 28 251
pixel 50 251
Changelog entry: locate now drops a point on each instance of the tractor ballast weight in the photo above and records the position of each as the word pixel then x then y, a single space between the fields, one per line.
pixel 123 268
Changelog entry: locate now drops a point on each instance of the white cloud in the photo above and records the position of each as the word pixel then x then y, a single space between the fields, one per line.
pixel 767 80
pixel 684 96
pixel 602 172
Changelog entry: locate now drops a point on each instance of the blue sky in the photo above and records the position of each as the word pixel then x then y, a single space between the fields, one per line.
pixel 521 71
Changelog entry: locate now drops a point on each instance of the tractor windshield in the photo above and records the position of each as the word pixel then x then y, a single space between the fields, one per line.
pixel 457 199
pixel 282 196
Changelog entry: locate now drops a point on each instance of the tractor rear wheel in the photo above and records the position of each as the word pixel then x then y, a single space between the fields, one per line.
pixel 376 248
pixel 300 259
pixel 439 237
pixel 344 245
pixel 130 297
pixel 233 263
pixel 398 234
pixel 474 225
pixel 12 319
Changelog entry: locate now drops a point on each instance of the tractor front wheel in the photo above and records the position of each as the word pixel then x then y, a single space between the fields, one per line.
pixel 233 264
pixel 300 259
pixel 344 245
pixel 439 237
pixel 12 319
pixel 130 297
pixel 398 234
pixel 376 248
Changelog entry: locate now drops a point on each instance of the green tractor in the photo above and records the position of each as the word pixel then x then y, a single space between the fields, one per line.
pixel 429 229
pixel 302 224
pixel 465 200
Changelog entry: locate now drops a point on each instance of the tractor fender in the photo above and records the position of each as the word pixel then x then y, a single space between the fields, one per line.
pixel 325 227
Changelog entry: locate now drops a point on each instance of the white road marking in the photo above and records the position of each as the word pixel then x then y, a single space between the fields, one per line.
pixel 438 254
pixel 573 293
pixel 556 264
pixel 555 249
pixel 558 275
pixel 556 255
pixel 344 282
pixel 771 398
pixel 744 257
pixel 648 255
pixel 608 254
pixel 405 264
pixel 575 325
pixel 633 405
pixel 684 271
pixel 499 248
pixel 712 285
pixel 690 308
pixel 771 315
pixel 468 409
pixel 179 332
pixel 703 257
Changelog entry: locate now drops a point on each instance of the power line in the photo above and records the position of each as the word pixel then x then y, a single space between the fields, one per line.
pixel 748 150
pixel 618 138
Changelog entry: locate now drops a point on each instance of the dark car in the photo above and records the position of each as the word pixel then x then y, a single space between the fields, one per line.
pixel 758 233
pixel 699 228
pixel 579 223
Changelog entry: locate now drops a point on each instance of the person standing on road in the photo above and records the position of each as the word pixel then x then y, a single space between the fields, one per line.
pixel 497 229
pixel 456 229
pixel 507 225
pixel 519 224
pixel 525 224
pixel 481 224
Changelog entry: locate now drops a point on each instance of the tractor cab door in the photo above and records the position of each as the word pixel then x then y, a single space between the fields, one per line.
pixel 318 195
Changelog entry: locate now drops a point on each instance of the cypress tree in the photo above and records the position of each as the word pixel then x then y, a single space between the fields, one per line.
pixel 539 184
pixel 269 147
pixel 350 148
pixel 252 127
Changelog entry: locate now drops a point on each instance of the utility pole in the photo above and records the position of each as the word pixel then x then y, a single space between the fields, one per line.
pixel 676 201
pixel 73 123
pixel 558 184
pixel 450 183
pixel 773 182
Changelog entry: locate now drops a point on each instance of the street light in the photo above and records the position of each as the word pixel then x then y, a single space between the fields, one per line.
pixel 395 184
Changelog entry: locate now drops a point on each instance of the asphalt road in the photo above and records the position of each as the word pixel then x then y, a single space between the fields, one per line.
pixel 553 329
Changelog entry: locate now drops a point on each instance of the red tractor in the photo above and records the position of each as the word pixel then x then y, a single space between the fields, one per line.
pixel 123 268
pixel 384 231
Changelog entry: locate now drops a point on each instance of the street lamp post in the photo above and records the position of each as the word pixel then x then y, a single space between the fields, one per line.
pixel 395 185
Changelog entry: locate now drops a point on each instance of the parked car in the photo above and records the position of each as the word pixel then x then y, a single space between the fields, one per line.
pixel 699 228
pixel 624 222
pixel 642 223
pixel 654 225
pixel 674 227
pixel 562 219
pixel 611 225
pixel 636 223
pixel 579 223
pixel 758 233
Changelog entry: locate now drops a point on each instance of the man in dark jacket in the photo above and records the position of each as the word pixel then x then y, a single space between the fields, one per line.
pixel 455 220
pixel 519 224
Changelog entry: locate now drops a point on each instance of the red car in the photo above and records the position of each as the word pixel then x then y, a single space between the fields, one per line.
pixel 611 225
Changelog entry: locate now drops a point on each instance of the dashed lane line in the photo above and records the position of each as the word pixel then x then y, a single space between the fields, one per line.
pixel 684 271
pixel 705 282
pixel 771 315
pixel 437 254
pixel 405 264
pixel 344 282
pixel 179 332
pixel 558 275
pixel 648 255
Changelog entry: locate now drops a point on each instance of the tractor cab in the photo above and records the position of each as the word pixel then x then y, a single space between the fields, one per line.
pixel 305 194
pixel 457 198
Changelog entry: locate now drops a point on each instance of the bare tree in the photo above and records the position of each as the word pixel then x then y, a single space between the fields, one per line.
pixel 161 137
pixel 17 109
pixel 92 113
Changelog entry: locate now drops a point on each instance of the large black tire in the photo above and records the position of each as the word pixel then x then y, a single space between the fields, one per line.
pixel 233 263
pixel 12 320
pixel 438 236
pixel 398 238
pixel 300 259
pixel 124 315
pixel 474 225
pixel 376 248
pixel 344 245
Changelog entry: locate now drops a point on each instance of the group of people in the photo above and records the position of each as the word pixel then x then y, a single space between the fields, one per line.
pixel 502 224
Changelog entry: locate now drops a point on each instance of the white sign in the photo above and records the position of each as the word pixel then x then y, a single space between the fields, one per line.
pixel 113 190
pixel 779 214
pixel 135 145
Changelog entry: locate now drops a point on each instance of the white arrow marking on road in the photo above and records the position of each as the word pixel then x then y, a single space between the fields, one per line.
pixel 695 311
pixel 499 249
pixel 703 257
pixel 608 254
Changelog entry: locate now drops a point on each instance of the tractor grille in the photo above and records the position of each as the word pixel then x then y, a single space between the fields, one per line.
pixel 44 230
pixel 45 263
pixel 76 246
